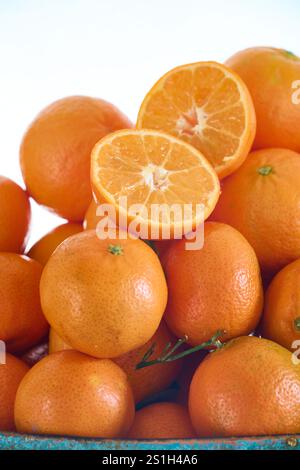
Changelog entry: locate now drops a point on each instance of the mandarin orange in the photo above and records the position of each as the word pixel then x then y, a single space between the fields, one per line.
pixel 214 288
pixel 249 387
pixel 272 77
pixel 149 178
pixel 207 105
pixel 72 394
pixel 56 148
pixel 103 297
pixel 262 200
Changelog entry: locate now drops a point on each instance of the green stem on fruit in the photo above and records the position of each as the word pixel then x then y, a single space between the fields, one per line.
pixel 115 250
pixel 168 352
pixel 265 170
pixel 297 323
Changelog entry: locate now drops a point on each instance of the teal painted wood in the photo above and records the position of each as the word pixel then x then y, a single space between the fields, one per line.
pixel 12 441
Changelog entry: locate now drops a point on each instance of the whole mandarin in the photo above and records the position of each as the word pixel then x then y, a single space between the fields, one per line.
pixel 103 297
pixel 262 200
pixel 56 149
pixel 71 394
pixel 217 287
pixel 249 387
pixel 272 77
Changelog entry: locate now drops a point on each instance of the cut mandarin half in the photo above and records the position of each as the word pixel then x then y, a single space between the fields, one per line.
pixel 172 182
pixel 208 106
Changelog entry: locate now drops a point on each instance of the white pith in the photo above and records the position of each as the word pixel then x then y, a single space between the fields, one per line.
pixel 192 122
pixel 156 177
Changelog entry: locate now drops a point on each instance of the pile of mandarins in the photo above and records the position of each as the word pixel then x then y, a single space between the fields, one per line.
pixel 202 342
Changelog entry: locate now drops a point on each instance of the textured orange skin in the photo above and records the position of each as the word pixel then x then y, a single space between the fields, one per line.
pixel 43 248
pixel 162 421
pixel 249 387
pixel 215 288
pixel 69 393
pixel 265 209
pixel 269 74
pixel 11 375
pixel 282 306
pixel 22 321
pixel 56 148
pixel 144 382
pixel 14 216
pixel 100 303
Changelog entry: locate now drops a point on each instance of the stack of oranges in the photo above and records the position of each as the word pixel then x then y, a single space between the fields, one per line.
pixel 126 319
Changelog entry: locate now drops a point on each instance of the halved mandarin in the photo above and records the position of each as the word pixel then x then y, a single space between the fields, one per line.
pixel 173 184
pixel 208 106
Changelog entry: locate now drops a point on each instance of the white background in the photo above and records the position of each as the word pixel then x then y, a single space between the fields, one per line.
pixel 116 50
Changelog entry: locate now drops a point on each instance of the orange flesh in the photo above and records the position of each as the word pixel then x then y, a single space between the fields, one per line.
pixel 150 167
pixel 207 106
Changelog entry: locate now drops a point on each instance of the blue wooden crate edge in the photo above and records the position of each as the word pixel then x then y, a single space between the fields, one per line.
pixel 14 441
